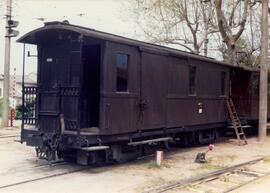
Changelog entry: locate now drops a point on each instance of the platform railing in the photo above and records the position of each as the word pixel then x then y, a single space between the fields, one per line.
pixel 29 105
pixel 65 95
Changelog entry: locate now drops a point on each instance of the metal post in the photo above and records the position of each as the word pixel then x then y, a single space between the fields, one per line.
pixel 6 70
pixel 22 125
pixel 263 72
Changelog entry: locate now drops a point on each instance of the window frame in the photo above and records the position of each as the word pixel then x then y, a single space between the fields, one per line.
pixel 194 93
pixel 223 83
pixel 127 70
pixel 255 86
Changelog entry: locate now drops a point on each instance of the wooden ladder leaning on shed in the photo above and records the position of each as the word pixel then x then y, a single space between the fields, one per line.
pixel 236 123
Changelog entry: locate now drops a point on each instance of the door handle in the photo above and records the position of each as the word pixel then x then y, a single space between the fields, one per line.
pixel 143 105
pixel 107 116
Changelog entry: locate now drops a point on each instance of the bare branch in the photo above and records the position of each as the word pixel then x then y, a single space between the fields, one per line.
pixel 226 30
pixel 243 22
pixel 231 18
pixel 222 23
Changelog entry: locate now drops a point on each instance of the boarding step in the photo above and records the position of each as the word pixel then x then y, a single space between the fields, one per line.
pixel 149 141
pixel 243 126
pixel 94 148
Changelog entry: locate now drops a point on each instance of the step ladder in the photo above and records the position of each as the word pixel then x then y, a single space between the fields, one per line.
pixel 236 123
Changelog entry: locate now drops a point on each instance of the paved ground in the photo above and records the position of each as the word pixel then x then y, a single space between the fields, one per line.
pixel 18 163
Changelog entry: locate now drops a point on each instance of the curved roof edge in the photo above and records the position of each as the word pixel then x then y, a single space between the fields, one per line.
pixel 50 25
pixel 116 38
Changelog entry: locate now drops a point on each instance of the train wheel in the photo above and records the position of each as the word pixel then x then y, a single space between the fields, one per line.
pixel 68 155
pixel 123 153
pixel 191 138
pixel 206 136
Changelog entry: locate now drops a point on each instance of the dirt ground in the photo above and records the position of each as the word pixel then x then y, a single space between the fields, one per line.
pixel 18 163
pixel 259 186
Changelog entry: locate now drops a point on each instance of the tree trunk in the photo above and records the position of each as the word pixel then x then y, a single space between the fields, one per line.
pixel 263 72
pixel 205 44
pixel 226 30
pixel 205 47
pixel 232 55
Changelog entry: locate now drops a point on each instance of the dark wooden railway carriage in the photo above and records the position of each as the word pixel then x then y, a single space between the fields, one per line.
pixel 245 92
pixel 99 92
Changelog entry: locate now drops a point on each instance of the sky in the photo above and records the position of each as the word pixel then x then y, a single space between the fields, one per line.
pixel 104 15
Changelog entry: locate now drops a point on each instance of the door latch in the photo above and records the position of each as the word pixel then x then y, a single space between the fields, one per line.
pixel 143 105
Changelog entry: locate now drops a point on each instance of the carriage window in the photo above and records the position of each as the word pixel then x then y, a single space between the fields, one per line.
pixel 255 86
pixel 192 80
pixel 122 72
pixel 222 82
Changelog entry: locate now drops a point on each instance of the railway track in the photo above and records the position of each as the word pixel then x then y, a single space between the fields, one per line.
pixel 7 139
pixel 220 181
pixel 46 165
pixel 8 136
pixel 53 170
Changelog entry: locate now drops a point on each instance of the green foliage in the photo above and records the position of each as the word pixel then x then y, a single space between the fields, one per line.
pixel 152 164
pixel 244 56
pixel 28 109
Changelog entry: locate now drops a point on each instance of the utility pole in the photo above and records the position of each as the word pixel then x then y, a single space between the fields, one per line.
pixel 6 69
pixel 263 72
pixel 9 33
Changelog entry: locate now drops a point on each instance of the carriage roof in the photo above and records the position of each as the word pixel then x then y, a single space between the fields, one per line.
pixel 89 32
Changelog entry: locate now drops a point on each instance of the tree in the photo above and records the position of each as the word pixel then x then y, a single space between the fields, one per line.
pixel 29 108
pixel 185 23
pixel 244 54
pixel 210 27
pixel 232 26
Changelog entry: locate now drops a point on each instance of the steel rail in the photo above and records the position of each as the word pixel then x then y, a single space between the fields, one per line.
pixel 243 184
pixel 8 136
pixel 45 177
